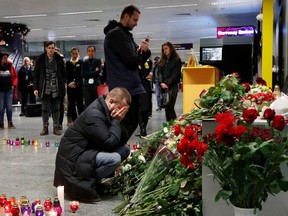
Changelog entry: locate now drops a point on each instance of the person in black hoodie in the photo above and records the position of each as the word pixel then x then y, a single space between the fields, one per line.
pixel 74 86
pixel 93 147
pixel 49 85
pixel 122 57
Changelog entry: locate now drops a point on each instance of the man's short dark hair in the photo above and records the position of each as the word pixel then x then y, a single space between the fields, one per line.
pixel 120 93
pixel 48 43
pixel 91 46
pixel 129 9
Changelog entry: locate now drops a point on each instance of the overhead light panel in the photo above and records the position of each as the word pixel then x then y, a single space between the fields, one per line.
pixel 37 29
pixel 78 12
pixel 171 6
pixel 68 27
pixel 24 16
pixel 233 2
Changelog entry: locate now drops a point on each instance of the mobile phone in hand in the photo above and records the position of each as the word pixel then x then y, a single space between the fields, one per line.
pixel 147 39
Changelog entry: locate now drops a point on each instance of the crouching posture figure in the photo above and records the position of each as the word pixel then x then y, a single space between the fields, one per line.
pixel 94 146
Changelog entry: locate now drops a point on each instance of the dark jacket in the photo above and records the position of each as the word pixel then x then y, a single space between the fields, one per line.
pixel 74 72
pixel 122 60
pixel 93 131
pixel 89 71
pixel 39 75
pixel 23 83
pixel 170 73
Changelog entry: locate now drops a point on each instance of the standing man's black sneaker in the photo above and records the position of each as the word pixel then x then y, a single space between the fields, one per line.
pixel 21 114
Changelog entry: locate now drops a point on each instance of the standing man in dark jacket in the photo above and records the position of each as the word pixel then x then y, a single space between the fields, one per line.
pixel 49 85
pixel 122 57
pixel 74 86
pixel 94 146
pixel 25 84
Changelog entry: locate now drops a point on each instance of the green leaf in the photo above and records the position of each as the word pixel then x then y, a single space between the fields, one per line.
pixel 224 194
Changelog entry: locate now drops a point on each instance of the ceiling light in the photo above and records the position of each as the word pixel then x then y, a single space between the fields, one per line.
pixel 66 36
pixel 39 29
pixel 68 27
pixel 79 12
pixel 233 2
pixel 171 6
pixel 25 16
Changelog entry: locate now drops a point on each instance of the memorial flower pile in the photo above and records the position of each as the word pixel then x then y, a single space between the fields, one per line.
pixel 245 159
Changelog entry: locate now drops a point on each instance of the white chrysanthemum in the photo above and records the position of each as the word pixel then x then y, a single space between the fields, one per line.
pixel 141 158
pixel 246 104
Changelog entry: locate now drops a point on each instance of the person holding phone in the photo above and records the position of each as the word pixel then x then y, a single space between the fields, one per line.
pixel 123 56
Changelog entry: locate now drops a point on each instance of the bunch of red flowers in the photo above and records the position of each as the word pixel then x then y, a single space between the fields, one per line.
pixel 190 146
pixel 229 132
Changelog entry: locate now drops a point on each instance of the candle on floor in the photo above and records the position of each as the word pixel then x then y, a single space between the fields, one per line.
pixel 60 195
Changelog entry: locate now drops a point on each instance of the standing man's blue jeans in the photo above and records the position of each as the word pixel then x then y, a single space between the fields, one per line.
pixel 6 98
pixel 108 162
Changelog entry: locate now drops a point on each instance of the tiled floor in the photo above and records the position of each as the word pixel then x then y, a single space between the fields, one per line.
pixel 29 170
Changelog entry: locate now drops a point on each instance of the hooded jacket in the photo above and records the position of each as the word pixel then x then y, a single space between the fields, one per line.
pixel 93 131
pixel 39 75
pixel 122 59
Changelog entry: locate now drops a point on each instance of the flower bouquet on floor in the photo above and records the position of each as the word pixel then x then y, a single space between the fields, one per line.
pixel 247 160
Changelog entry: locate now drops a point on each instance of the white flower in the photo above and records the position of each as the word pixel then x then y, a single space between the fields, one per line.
pixel 246 104
pixel 165 130
pixel 126 168
pixel 141 158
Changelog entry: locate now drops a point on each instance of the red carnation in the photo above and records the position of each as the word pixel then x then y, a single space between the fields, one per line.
pixel 279 122
pixel 177 130
pixel 249 115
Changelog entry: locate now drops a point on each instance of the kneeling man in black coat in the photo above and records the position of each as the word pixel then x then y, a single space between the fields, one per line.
pixel 94 146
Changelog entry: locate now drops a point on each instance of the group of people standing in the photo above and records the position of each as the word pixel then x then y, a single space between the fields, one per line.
pixel 96 143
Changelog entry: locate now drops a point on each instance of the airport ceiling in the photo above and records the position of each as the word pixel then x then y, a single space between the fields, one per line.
pixel 182 21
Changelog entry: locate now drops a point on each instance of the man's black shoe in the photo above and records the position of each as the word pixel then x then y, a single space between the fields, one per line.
pixel 21 114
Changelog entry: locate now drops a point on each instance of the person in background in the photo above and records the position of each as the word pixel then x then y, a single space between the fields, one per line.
pixel 25 84
pixel 143 116
pixel 8 82
pixel 49 85
pixel 169 76
pixel 74 86
pixel 91 71
pixel 155 80
pixel 93 147
pixel 123 56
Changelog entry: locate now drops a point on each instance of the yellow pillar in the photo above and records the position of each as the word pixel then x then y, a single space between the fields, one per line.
pixel 267 41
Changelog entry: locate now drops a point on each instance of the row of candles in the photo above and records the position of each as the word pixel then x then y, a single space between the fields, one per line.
pixel 24 142
pixel 10 206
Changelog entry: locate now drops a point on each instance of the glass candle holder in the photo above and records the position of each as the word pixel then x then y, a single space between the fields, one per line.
pixel 57 207
pixel 21 199
pixel 48 204
pixel 12 200
pixel 47 143
pixel 15 210
pixel 25 209
pixel 34 204
pixel 3 199
pixel 7 207
pixel 74 205
pixel 4 141
pixel 39 211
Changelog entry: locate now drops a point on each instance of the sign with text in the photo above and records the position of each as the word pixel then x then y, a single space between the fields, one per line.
pixel 235 31
pixel 183 46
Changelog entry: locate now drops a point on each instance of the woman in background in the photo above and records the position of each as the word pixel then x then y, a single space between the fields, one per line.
pixel 169 77
pixel 8 82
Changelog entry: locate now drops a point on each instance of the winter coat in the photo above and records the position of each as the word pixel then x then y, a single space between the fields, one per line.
pixel 22 81
pixel 39 75
pixel 170 72
pixel 122 59
pixel 93 131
